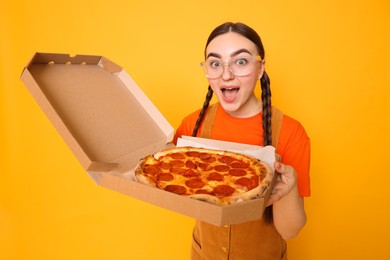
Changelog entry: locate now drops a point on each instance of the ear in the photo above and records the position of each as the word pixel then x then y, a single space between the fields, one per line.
pixel 262 68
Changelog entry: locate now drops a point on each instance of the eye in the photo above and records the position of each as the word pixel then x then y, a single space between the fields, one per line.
pixel 240 62
pixel 214 64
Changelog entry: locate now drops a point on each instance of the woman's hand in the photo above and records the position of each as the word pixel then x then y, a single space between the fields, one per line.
pixel 288 209
pixel 285 182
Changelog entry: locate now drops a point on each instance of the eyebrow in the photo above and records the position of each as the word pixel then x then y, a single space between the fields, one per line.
pixel 216 55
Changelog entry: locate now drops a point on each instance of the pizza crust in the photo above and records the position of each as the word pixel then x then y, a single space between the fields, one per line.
pixel 257 192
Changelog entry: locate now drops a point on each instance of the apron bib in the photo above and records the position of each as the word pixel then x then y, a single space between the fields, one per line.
pixel 254 240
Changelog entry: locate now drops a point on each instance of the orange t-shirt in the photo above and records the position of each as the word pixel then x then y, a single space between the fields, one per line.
pixel 293 144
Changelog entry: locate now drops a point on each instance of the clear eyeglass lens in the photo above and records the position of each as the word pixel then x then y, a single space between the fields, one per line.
pixel 239 66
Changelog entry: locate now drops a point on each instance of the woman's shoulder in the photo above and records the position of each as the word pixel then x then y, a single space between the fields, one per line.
pixel 187 125
pixel 291 122
pixel 191 118
pixel 292 129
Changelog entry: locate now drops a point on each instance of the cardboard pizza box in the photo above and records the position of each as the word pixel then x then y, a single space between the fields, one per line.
pixel 110 124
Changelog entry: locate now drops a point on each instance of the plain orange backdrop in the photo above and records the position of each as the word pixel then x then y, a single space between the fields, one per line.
pixel 329 67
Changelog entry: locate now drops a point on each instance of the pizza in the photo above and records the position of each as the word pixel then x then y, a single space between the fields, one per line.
pixel 215 176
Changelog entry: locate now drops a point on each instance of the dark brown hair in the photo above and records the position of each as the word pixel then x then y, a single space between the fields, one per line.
pixel 252 35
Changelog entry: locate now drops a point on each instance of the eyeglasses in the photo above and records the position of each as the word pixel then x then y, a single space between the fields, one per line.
pixel 239 66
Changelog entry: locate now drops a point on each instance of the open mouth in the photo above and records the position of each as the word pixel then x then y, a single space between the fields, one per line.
pixel 229 94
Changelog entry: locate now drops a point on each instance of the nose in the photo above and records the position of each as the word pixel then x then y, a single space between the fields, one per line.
pixel 227 72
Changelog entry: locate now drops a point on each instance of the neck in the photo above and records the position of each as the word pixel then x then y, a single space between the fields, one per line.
pixel 252 107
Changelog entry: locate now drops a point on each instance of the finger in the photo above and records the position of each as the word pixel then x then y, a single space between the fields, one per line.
pixel 271 200
pixel 283 179
pixel 276 195
pixel 285 171
pixel 282 168
pixel 277 166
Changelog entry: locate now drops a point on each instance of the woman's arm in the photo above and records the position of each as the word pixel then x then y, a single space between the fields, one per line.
pixel 288 208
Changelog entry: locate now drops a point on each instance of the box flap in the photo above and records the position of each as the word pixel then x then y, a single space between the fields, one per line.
pixel 200 210
pixel 97 108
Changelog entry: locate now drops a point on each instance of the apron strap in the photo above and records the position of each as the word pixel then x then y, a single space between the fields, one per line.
pixel 276 124
pixel 209 121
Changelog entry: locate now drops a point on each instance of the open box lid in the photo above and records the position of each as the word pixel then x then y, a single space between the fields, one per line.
pixel 100 112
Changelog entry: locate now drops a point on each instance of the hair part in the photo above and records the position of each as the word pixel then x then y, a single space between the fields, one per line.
pixel 241 29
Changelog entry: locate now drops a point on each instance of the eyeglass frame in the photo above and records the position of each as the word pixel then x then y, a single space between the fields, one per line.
pixel 228 63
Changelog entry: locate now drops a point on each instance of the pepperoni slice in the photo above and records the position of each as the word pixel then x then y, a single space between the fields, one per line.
pixel 204 156
pixel 223 190
pixel 164 177
pixel 177 156
pixel 207 158
pixel 202 191
pixel 226 159
pixel 205 166
pixel 177 163
pixel 151 169
pixel 195 183
pixel 165 166
pixel 245 182
pixel 190 164
pixel 192 154
pixel 176 189
pixel 177 170
pixel 237 172
pixel 221 168
pixel 215 176
pixel 255 180
pixel 239 165
pixel 189 173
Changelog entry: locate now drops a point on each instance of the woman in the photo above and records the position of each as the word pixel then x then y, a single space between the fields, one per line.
pixel 234 62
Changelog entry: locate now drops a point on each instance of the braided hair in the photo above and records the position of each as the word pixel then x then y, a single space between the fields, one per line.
pixel 250 34
pixel 203 111
pixel 267 109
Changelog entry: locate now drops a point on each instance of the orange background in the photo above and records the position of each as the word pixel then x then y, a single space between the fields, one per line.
pixel 329 67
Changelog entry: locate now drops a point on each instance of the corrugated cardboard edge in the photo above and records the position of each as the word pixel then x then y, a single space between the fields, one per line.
pixel 149 107
pixel 109 65
pixel 45 58
pixel 204 211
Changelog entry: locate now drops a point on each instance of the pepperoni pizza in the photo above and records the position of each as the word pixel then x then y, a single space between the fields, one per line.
pixel 215 176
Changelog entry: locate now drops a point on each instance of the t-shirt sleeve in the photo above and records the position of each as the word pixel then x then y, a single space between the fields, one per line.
pixel 294 148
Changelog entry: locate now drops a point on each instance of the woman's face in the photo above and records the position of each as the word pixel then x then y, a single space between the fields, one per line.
pixel 235 93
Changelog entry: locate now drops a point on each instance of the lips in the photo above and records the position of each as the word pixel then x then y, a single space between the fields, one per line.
pixel 229 93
